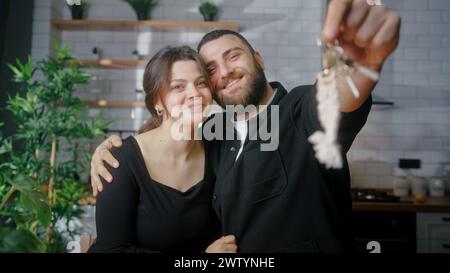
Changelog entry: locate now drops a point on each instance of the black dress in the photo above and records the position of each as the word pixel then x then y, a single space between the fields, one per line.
pixel 134 213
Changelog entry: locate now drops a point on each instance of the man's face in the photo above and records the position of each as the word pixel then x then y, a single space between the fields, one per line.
pixel 237 75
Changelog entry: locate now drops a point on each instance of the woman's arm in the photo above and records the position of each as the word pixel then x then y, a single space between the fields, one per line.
pixel 116 211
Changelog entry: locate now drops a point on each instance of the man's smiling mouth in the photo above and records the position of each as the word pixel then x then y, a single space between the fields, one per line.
pixel 229 87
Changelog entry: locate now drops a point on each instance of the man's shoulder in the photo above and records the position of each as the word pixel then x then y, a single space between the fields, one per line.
pixel 297 94
pixel 301 90
pixel 302 87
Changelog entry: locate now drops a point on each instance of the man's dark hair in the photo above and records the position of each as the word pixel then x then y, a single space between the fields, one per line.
pixel 216 34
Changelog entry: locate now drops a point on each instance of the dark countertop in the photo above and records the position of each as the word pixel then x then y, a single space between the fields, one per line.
pixel 407 204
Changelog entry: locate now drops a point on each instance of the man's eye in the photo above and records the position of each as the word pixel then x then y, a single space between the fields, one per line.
pixel 234 57
pixel 211 70
pixel 201 84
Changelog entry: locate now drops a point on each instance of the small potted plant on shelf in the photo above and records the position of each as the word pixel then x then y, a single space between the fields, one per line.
pixel 142 8
pixel 78 9
pixel 209 10
pixel 98 53
pixel 138 55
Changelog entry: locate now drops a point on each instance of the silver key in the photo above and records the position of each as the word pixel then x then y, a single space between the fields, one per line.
pixel 334 58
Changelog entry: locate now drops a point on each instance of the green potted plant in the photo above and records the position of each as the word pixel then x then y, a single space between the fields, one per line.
pixel 138 55
pixel 42 164
pixel 209 10
pixel 142 8
pixel 78 9
pixel 97 52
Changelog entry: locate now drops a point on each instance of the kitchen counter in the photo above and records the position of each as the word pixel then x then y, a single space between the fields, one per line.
pixel 406 204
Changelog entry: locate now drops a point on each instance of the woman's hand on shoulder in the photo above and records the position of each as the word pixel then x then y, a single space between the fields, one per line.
pixel 225 244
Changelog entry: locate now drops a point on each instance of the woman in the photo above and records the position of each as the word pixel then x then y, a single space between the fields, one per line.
pixel 161 198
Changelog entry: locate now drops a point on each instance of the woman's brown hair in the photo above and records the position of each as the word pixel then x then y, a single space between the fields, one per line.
pixel 157 76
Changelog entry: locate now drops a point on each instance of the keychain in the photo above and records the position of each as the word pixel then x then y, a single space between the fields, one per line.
pixel 334 64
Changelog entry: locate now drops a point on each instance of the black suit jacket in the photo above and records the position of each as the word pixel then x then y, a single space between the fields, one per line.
pixel 284 200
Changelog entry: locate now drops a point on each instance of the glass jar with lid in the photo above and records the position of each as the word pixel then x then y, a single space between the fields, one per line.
pixel 418 185
pixel 436 186
pixel 401 186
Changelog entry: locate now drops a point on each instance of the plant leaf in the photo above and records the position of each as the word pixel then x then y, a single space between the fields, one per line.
pixel 32 199
pixel 20 241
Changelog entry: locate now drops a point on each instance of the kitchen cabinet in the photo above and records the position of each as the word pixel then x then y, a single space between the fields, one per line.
pixel 433 232
pixel 394 231
pixel 403 227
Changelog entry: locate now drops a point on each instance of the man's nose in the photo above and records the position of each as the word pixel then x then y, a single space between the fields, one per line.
pixel 224 71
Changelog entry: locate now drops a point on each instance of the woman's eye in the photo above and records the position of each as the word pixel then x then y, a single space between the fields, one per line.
pixel 177 88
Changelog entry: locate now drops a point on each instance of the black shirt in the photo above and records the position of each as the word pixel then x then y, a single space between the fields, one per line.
pixel 138 214
pixel 285 200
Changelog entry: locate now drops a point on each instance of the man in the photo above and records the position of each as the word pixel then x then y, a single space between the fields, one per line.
pixel 284 200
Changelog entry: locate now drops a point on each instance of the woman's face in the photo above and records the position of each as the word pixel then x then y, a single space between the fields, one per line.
pixel 188 95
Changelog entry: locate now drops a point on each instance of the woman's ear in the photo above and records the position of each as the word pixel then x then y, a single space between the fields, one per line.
pixel 159 107
pixel 260 60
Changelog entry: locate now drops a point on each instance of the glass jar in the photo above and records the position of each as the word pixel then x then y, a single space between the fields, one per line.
pixel 418 185
pixel 401 186
pixel 437 187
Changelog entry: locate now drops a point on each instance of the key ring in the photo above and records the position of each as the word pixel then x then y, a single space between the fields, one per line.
pixel 335 58
pixel 334 63
pixel 335 55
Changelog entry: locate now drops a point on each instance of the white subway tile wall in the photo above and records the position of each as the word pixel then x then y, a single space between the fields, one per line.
pixel 416 77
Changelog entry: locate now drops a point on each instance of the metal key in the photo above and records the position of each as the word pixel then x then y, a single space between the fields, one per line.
pixel 334 57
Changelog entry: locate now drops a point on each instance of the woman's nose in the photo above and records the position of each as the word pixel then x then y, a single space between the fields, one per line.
pixel 192 91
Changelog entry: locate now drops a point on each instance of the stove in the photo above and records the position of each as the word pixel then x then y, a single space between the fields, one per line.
pixel 372 195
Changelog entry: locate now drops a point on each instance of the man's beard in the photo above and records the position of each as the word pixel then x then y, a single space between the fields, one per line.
pixel 252 94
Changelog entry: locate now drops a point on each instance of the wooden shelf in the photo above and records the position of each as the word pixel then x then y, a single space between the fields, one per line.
pixel 120 25
pixel 114 103
pixel 134 24
pixel 109 63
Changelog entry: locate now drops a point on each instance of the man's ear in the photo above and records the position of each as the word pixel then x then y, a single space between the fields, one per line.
pixel 260 60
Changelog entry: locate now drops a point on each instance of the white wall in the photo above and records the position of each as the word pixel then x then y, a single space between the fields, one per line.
pixel 416 77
